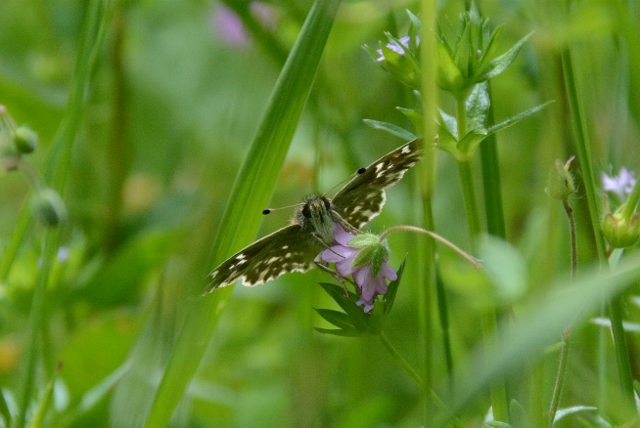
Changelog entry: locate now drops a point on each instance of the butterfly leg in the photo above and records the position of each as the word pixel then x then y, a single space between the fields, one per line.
pixel 345 224
pixel 342 280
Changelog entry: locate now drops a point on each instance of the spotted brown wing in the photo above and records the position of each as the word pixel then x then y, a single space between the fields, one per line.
pixel 289 249
pixel 362 198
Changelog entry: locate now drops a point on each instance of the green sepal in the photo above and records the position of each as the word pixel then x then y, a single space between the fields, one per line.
pixel 449 76
pixel 372 250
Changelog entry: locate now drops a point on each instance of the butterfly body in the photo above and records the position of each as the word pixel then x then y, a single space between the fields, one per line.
pixel 295 247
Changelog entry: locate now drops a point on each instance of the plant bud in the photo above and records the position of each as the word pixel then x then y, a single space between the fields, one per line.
pixel 49 208
pixel 25 140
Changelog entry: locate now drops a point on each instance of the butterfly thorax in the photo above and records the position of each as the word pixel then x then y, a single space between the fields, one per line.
pixel 315 216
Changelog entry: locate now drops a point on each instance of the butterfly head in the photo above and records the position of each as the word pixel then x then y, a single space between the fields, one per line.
pixel 315 215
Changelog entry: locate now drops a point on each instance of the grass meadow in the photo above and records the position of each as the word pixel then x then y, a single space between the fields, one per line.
pixel 141 140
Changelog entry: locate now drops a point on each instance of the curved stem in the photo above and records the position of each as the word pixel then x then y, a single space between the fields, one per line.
pixel 436 237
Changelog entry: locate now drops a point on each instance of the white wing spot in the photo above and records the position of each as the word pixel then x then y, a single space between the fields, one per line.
pixel 379 166
pixel 406 149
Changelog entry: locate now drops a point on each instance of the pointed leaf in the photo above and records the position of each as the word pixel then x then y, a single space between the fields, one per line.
pixel 348 304
pixel 501 63
pixel 478 104
pixel 470 141
pixel 516 118
pixel 391 128
pixel 449 122
pixel 338 319
pixel 390 297
pixel 561 413
pixel 342 332
pixel 505 266
pixel 449 75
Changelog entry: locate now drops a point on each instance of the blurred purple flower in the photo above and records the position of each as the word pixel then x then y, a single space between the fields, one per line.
pixel 620 184
pixel 228 26
pixel 369 284
pixel 398 48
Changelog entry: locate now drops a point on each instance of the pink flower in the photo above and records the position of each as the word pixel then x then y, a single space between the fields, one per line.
pixel 365 259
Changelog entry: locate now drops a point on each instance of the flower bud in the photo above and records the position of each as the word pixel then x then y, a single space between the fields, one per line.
pixel 560 185
pixel 25 140
pixel 619 230
pixel 49 207
pixel 372 250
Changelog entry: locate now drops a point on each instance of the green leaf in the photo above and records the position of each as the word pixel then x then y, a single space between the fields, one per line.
pixel 342 332
pixel 470 141
pixel 561 413
pixel 449 75
pixel 250 193
pixel 477 105
pixel 496 424
pixel 357 316
pixel 391 128
pixel 512 120
pixel 339 319
pixel 505 266
pixel 390 297
pixel 518 415
pixel 501 63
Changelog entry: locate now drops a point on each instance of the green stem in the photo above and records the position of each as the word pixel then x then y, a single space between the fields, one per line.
pixel 470 203
pixel 584 157
pixel 415 376
pixel 566 334
pixel 443 315
pixel 562 369
pixel 27 378
pixel 404 365
pixel 488 321
pixel 429 91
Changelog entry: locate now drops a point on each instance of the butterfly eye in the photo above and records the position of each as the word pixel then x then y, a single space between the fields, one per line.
pixel 306 212
pixel 327 204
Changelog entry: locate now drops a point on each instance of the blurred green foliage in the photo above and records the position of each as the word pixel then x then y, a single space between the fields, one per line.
pixel 174 101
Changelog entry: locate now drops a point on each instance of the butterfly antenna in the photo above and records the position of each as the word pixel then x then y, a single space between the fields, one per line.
pixel 349 178
pixel 270 210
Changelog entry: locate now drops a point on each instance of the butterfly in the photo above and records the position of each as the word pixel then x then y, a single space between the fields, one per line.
pixel 295 247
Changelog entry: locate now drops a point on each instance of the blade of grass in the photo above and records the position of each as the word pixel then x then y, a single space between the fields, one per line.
pixel 538 327
pixel 250 194
pixel 57 166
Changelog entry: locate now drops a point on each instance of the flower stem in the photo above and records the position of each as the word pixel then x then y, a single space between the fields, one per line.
pixel 566 334
pixel 488 319
pixel 435 236
pixel 584 157
pixel 414 375
pixel 562 369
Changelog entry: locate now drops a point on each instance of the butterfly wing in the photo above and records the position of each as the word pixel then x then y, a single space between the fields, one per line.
pixel 362 198
pixel 289 249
